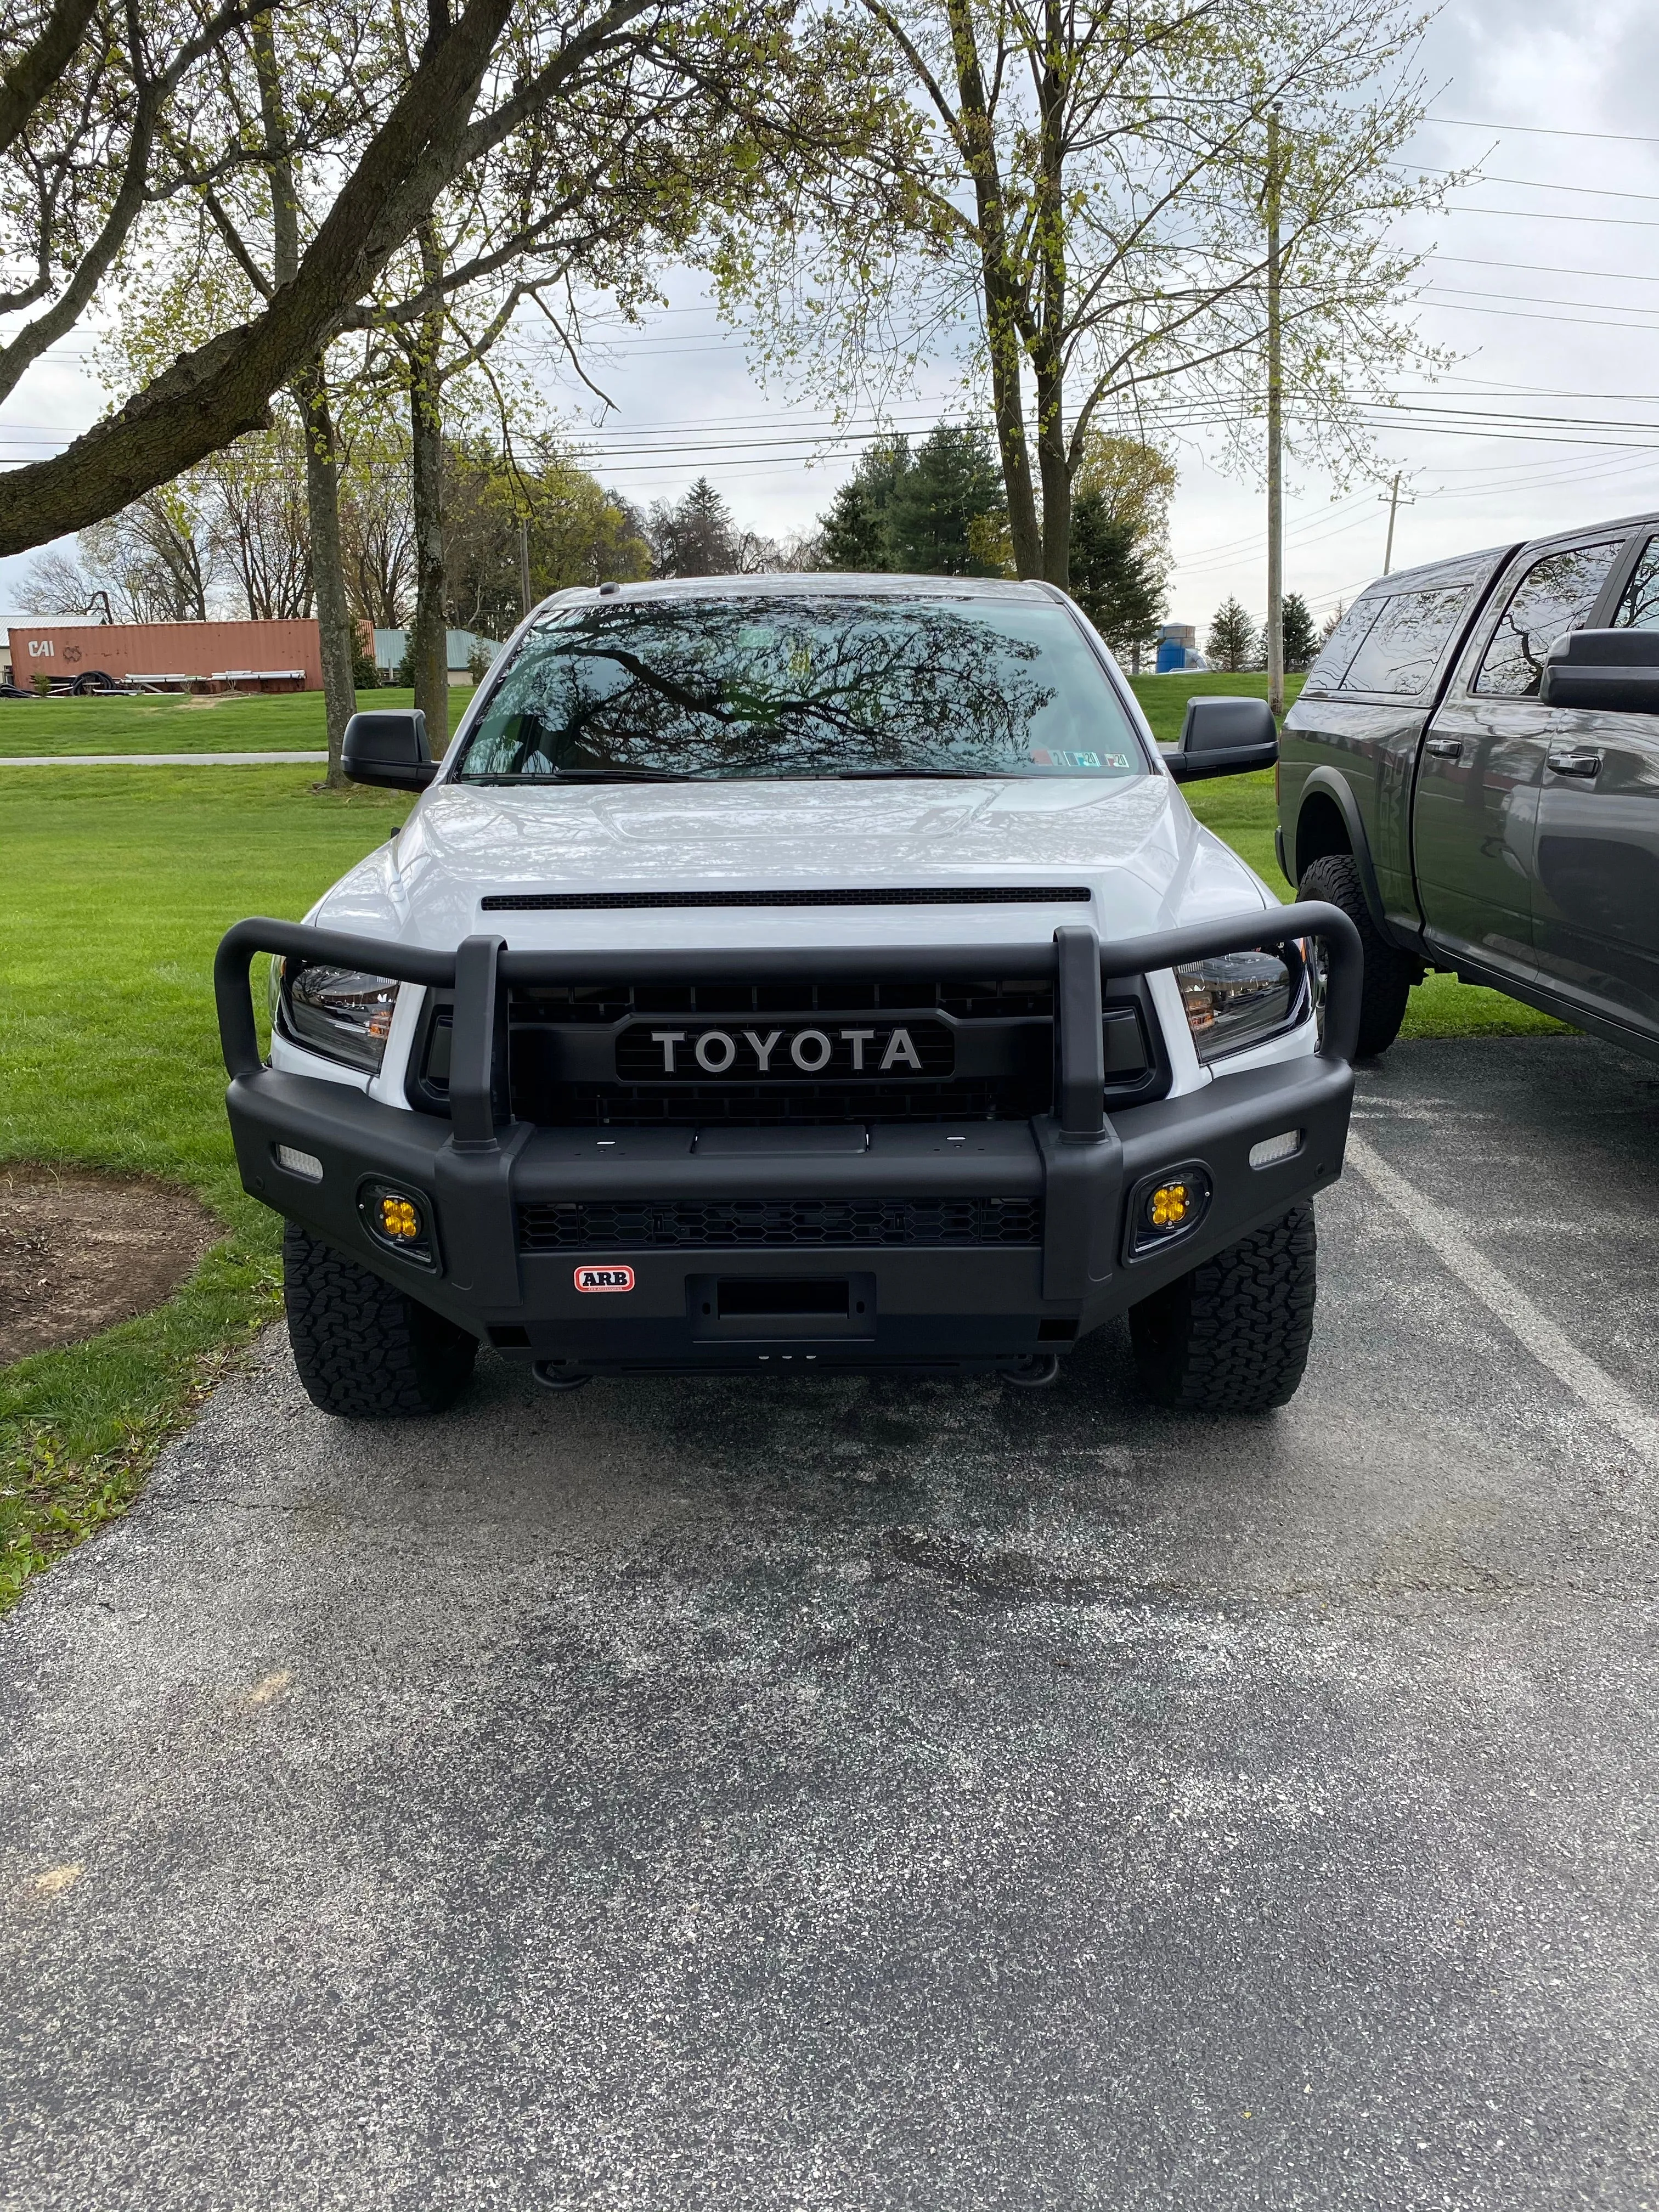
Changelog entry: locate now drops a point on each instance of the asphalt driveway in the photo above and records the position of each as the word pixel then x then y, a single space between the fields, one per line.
pixel 830 1794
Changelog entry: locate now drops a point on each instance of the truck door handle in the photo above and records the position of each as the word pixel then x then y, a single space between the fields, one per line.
pixel 1573 763
pixel 1445 748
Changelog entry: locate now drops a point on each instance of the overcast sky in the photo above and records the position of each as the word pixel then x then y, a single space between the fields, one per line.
pixel 1545 280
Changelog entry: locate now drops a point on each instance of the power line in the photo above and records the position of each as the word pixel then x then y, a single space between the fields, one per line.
pixel 1547 214
pixel 1533 184
pixel 1527 315
pixel 1543 130
pixel 1545 269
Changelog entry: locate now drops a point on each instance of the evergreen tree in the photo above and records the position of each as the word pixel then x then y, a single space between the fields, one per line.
pixel 854 534
pixel 851 539
pixel 954 484
pixel 1232 642
pixel 1115 579
pixel 696 538
pixel 1301 638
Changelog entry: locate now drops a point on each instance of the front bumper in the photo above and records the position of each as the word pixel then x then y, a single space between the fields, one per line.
pixel 1068 1183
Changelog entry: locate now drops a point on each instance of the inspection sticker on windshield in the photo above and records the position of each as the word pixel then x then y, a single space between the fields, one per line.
pixel 1041 759
pixel 604 1279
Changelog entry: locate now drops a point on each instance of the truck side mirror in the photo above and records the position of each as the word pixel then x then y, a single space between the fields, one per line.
pixel 389 747
pixel 1223 736
pixel 1616 670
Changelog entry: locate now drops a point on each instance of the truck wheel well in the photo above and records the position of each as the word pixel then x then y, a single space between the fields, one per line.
pixel 1319 832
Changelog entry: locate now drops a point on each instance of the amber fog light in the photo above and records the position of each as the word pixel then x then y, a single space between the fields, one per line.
pixel 398 1218
pixel 1167 1207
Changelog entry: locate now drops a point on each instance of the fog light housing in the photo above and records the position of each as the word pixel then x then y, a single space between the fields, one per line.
pixel 1272 1149
pixel 1165 1207
pixel 398 1218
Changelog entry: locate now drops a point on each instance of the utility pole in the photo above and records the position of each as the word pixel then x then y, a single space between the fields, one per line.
pixel 1394 500
pixel 1275 437
pixel 524 564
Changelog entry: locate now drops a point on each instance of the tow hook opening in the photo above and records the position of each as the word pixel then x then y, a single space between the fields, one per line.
pixel 1035 1372
pixel 554 1375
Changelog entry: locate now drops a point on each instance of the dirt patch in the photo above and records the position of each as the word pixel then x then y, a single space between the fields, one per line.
pixel 80 1251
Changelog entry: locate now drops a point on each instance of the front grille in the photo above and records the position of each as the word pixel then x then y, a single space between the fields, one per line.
pixel 977 1049
pixel 763 1224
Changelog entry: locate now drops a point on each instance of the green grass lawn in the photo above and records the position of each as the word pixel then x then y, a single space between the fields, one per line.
pixel 1164 698
pixel 212 722
pixel 115 886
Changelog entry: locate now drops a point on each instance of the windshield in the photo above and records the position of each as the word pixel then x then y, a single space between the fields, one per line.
pixel 798 685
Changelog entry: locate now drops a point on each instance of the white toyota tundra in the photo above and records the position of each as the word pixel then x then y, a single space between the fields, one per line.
pixel 795 973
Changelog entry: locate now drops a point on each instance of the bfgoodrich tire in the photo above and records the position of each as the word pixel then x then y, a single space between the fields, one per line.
pixel 365 1351
pixel 1388 973
pixel 1231 1337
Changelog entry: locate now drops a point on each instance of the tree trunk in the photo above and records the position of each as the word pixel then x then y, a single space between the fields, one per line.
pixel 1002 333
pixel 1024 527
pixel 1054 467
pixel 316 420
pixel 430 649
pixel 1048 347
pixel 334 621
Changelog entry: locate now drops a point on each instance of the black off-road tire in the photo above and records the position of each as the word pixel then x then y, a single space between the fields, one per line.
pixel 365 1351
pixel 1233 1336
pixel 1390 973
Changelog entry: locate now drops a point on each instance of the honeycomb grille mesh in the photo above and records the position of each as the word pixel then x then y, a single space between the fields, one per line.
pixel 645 1225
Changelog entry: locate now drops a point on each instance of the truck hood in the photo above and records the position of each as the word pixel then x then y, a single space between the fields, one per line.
pixel 1134 846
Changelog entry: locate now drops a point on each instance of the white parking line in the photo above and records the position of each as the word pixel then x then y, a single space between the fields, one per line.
pixel 1592 1385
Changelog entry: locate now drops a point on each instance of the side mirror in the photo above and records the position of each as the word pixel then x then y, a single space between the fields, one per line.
pixel 1617 670
pixel 1223 736
pixel 389 748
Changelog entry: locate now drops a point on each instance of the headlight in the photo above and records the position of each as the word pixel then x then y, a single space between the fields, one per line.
pixel 338 1011
pixel 1238 999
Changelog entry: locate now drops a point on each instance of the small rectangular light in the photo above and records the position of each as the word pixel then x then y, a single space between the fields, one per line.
pixel 307 1165
pixel 1272 1149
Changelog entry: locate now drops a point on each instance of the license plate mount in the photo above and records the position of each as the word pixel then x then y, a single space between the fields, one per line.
pixel 781 1309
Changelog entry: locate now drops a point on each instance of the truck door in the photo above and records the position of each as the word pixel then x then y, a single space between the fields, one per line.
pixel 1474 814
pixel 1596 898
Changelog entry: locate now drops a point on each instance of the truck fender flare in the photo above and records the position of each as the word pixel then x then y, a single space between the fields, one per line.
pixel 1329 783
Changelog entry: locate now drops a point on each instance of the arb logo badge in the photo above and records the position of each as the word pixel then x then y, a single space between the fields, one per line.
pixel 604 1279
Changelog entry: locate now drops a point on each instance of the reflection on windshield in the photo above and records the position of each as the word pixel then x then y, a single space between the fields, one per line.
pixel 801 686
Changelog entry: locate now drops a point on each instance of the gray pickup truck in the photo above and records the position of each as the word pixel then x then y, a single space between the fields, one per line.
pixel 1472 773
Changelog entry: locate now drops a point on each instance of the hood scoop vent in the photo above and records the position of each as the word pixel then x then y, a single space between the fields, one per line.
pixel 929 895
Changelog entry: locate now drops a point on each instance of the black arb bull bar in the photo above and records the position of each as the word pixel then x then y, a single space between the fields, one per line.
pixel 1082 1174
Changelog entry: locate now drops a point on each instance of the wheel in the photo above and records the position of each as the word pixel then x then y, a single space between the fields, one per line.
pixel 1389 974
pixel 1232 1336
pixel 365 1351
